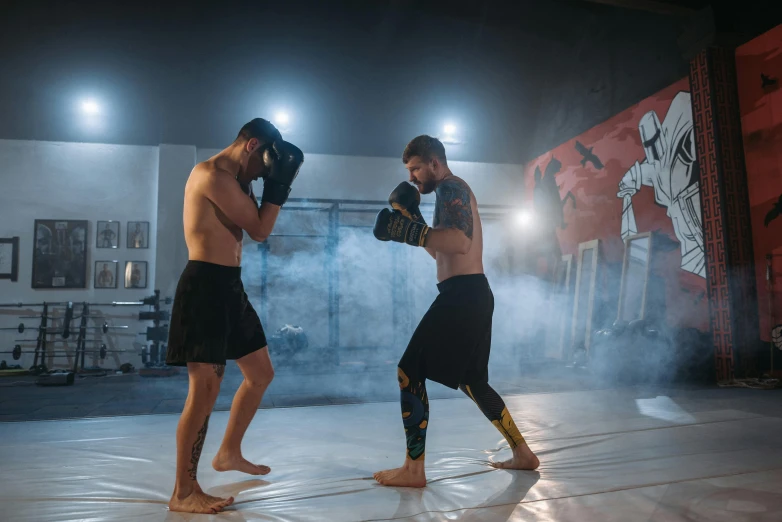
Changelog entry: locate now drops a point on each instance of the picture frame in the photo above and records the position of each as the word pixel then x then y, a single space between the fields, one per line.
pixel 107 234
pixel 138 234
pixel 634 285
pixel 60 253
pixel 560 307
pixel 589 264
pixel 9 258
pixel 105 276
pixel 135 274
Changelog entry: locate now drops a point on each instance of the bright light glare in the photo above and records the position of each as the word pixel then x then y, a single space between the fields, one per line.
pixel 90 107
pixel 450 129
pixel 523 218
pixel 281 118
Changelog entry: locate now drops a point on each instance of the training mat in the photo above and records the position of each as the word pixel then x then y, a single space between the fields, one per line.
pixel 608 455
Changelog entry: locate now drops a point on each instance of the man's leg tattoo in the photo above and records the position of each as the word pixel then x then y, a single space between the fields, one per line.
pixel 197 447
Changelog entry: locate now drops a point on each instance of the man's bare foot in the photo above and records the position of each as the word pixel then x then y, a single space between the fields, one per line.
pixel 224 461
pixel 523 458
pixel 411 475
pixel 198 502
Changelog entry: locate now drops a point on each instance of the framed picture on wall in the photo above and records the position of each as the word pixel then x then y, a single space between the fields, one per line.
pixel 135 274
pixel 60 253
pixel 138 234
pixel 107 234
pixel 106 274
pixel 9 258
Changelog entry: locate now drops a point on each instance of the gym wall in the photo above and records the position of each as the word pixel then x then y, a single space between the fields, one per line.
pixel 372 178
pixel 573 190
pixel 85 181
pixel 131 183
pixel 759 71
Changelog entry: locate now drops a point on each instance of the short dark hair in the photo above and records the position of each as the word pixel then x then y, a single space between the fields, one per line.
pixel 426 147
pixel 260 129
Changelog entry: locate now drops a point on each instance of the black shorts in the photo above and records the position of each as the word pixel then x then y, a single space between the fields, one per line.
pixel 212 320
pixel 452 342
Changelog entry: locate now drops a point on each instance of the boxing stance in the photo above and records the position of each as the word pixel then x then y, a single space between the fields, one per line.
pixel 211 319
pixel 452 342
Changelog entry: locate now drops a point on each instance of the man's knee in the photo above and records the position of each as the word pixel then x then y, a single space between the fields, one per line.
pixel 207 383
pixel 259 377
pixel 402 378
pixel 474 389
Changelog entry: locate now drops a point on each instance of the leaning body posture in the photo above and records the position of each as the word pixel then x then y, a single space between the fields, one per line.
pixel 212 319
pixel 452 342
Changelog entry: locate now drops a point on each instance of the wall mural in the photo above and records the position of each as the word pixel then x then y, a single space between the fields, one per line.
pixel 759 69
pixel 637 172
pixel 670 167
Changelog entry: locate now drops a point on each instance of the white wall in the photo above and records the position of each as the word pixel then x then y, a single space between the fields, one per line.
pixel 355 177
pixel 51 180
pixel 176 162
pixel 47 180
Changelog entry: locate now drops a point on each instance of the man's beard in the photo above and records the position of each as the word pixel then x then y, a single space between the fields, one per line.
pixel 428 186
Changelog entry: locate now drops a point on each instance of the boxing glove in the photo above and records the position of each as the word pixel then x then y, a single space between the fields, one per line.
pixel 284 160
pixel 394 226
pixel 405 198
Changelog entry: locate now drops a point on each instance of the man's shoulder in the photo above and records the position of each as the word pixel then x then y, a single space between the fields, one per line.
pixel 210 174
pixel 453 185
pixel 209 168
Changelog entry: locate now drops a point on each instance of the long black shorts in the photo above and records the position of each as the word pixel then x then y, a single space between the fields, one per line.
pixel 451 344
pixel 212 319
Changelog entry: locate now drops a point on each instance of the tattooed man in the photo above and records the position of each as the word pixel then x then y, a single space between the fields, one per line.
pixel 212 320
pixel 452 342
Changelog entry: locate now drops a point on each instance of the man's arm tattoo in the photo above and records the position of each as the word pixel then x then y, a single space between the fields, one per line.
pixel 454 209
pixel 219 370
pixel 195 455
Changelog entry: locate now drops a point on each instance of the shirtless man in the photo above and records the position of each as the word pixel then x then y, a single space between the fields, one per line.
pixel 452 342
pixel 105 277
pixel 211 319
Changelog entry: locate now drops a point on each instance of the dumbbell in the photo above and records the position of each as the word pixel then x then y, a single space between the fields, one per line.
pixel 20 328
pixel 16 353
pixel 105 327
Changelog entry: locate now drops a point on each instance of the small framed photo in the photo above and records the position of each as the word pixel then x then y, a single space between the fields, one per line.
pixel 9 258
pixel 106 274
pixel 138 234
pixel 107 234
pixel 135 274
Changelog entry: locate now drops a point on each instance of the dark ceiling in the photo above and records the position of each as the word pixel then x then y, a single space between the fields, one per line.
pixel 356 77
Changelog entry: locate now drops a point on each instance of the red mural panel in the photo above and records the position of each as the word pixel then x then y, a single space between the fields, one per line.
pixel 759 72
pixel 637 172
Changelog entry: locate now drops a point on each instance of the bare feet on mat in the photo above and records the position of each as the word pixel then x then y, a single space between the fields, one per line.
pixel 523 458
pixel 198 502
pixel 411 475
pixel 235 462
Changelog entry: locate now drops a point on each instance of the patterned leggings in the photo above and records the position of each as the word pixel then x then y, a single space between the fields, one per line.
pixel 415 412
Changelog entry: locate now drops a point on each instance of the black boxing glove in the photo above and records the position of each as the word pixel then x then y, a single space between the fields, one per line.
pixel 284 160
pixel 394 226
pixel 405 198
